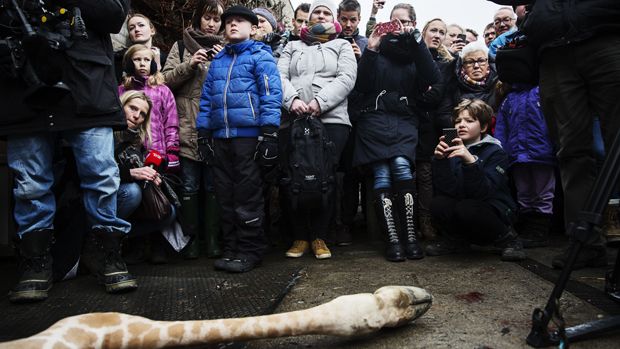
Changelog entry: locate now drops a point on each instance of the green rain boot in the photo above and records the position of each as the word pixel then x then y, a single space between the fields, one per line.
pixel 189 217
pixel 212 225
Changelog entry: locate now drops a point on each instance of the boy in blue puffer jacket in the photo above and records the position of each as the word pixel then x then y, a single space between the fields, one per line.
pixel 237 127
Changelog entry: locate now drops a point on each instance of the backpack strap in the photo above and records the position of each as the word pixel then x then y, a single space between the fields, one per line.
pixel 181 46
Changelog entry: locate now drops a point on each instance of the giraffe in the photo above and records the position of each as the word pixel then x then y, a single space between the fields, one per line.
pixel 348 315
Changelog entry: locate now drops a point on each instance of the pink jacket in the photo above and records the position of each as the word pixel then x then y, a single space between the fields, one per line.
pixel 164 121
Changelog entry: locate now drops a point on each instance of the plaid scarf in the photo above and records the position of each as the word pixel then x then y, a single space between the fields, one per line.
pixel 470 81
pixel 320 32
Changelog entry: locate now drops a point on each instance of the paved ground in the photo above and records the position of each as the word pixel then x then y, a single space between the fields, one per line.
pixel 480 302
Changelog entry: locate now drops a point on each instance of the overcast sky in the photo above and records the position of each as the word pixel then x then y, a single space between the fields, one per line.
pixel 475 14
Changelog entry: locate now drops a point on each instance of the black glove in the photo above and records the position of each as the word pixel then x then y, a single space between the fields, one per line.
pixel 205 146
pixel 267 147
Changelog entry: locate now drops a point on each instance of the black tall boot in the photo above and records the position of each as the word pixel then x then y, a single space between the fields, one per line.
pixel 385 213
pixel 405 201
pixel 189 221
pixel 35 267
pixel 102 256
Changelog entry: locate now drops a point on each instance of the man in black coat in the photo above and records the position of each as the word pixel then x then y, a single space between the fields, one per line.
pixel 579 54
pixel 75 100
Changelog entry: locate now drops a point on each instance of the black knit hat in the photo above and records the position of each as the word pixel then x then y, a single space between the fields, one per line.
pixel 240 11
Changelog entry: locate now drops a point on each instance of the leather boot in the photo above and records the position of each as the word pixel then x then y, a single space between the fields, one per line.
pixel 385 213
pixel 102 256
pixel 212 225
pixel 511 247
pixel 35 267
pixel 189 218
pixel 405 201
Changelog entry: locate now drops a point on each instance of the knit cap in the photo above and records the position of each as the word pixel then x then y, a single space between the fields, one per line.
pixel 327 3
pixel 268 16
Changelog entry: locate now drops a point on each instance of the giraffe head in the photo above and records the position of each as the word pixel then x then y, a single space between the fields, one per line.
pixel 403 304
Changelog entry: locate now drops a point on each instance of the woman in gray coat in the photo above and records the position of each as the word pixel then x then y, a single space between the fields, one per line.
pixel 318 72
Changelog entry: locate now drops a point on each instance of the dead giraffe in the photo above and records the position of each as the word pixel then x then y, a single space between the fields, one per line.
pixel 358 314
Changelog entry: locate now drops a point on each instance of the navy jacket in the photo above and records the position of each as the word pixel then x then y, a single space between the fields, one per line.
pixel 242 92
pixel 485 180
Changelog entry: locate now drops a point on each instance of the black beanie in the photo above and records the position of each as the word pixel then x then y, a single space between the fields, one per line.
pixel 240 11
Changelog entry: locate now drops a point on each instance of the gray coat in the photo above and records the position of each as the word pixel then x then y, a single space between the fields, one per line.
pixel 326 72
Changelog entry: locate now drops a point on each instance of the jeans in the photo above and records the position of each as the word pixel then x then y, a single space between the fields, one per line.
pixel 194 174
pixel 128 199
pixel 396 168
pixel 30 159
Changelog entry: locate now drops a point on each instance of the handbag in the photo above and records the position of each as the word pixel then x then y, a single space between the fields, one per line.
pixel 154 205
pixel 517 61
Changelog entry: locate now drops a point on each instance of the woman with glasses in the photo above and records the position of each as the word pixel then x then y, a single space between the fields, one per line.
pixel 473 77
pixel 397 76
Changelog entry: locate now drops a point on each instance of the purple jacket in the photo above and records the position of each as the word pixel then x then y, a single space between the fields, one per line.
pixel 522 129
pixel 164 121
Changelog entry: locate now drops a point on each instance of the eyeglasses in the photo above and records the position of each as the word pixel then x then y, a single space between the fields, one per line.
pixel 472 62
pixel 507 20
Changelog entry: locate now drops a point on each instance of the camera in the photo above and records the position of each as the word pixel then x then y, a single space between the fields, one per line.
pixel 33 38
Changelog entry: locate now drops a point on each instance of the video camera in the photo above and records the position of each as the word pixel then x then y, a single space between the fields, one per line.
pixel 33 36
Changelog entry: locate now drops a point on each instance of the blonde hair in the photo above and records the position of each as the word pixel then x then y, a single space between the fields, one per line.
pixel 153 79
pixel 144 130
pixel 148 20
pixel 445 55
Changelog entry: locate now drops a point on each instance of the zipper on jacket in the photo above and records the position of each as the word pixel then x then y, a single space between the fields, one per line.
pixel 225 92
pixel 251 105
pixel 266 84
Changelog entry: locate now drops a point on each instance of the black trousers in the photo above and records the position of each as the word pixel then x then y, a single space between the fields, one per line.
pixel 578 82
pixel 312 222
pixel 472 220
pixel 239 191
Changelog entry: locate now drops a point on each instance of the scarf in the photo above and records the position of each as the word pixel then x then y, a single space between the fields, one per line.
pixel 466 79
pixel 194 40
pixel 397 48
pixel 320 32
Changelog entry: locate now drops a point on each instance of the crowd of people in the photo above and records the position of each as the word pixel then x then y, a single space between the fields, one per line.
pixel 453 156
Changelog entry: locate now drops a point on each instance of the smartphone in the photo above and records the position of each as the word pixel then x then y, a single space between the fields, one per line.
pixel 211 53
pixel 461 38
pixel 349 39
pixel 387 27
pixel 449 135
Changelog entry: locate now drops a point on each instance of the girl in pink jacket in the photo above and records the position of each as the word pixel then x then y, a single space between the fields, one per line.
pixel 141 73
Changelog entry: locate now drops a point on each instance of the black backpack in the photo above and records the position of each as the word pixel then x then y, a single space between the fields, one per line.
pixel 310 165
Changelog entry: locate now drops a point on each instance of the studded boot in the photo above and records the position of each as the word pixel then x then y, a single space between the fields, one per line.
pixel 405 201
pixel 385 212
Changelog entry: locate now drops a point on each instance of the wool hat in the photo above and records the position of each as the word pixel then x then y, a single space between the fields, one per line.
pixel 268 16
pixel 327 3
pixel 240 11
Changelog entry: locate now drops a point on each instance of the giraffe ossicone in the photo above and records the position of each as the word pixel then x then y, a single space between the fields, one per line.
pixel 349 315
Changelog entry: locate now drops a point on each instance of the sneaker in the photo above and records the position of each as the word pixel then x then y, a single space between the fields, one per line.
pixel 513 251
pixel 320 249
pixel 298 249
pixel 442 247
pixel 343 235
pixel 590 256
pixel 222 263
pixel 241 265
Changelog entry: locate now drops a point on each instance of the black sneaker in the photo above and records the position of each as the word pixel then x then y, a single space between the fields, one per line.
pixel 590 256
pixel 343 235
pixel 222 263
pixel 241 265
pixel 512 251
pixel 443 247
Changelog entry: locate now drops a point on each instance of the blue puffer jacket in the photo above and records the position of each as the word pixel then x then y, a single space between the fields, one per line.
pixel 242 92
pixel 521 127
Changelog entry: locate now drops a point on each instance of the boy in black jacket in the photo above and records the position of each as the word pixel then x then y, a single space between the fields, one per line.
pixel 472 197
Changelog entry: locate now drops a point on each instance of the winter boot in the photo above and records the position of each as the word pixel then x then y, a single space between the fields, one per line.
pixel 405 201
pixel 592 254
pixel 189 218
pixel 534 229
pixel 385 213
pixel 35 267
pixel 611 225
pixel 511 247
pixel 102 256
pixel 212 225
pixel 427 230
